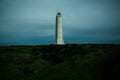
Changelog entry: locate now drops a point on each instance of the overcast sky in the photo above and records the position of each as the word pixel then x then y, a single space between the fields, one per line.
pixel 84 21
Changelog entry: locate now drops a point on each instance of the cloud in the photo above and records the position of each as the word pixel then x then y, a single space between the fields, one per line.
pixel 82 20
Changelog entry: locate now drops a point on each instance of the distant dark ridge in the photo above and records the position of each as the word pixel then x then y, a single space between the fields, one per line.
pixel 63 44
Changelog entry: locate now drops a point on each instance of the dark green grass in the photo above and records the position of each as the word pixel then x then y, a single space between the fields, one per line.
pixel 63 62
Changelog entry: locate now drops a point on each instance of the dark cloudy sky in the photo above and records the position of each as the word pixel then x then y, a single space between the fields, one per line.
pixel 84 21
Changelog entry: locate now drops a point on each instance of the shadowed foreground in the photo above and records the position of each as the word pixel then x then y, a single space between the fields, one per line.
pixel 63 62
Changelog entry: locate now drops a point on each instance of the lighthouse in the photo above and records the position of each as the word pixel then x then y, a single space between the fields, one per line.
pixel 59 30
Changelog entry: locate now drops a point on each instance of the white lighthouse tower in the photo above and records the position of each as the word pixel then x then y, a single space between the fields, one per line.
pixel 58 31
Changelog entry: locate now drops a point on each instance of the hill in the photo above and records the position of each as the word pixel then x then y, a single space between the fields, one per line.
pixel 63 62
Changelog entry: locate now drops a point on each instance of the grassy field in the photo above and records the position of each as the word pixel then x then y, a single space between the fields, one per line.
pixel 63 62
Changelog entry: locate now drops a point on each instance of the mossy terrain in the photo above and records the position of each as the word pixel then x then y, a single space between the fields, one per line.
pixel 60 62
